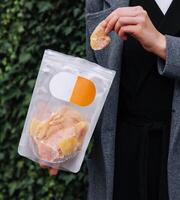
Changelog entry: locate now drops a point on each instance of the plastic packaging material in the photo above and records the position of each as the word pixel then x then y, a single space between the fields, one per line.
pixel 60 136
pixel 99 39
pixel 67 100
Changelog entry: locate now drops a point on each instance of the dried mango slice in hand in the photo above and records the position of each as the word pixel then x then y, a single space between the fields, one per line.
pixel 99 39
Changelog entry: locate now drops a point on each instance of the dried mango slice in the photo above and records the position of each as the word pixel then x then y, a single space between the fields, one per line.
pixel 46 152
pixel 81 129
pixel 99 39
pixel 43 131
pixel 35 127
pixel 59 136
pixel 51 130
pixel 68 145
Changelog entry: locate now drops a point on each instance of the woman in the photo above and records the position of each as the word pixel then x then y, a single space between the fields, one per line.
pixel 131 140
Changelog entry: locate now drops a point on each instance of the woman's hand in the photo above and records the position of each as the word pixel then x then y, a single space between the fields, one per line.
pixel 136 22
pixel 52 171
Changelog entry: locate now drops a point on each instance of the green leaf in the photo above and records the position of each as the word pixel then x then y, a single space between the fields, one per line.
pixel 24 58
pixel 44 6
pixel 68 30
pixel 31 83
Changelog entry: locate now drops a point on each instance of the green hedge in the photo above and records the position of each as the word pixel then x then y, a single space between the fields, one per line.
pixel 27 28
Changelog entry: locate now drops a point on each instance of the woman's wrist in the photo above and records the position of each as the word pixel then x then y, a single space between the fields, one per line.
pixel 160 46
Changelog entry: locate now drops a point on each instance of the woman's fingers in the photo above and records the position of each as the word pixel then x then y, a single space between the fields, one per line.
pixel 103 24
pixel 122 21
pixel 125 12
pixel 136 22
pixel 129 29
pixel 110 25
pixel 120 13
pixel 53 172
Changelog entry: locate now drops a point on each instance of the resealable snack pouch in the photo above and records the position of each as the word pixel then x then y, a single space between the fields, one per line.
pixel 67 100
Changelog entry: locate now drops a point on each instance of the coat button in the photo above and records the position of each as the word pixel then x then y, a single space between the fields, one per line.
pixel 173 110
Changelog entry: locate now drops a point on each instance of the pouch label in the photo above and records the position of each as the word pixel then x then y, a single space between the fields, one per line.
pixel 71 88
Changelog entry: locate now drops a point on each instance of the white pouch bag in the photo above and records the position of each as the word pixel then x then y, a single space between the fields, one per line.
pixel 67 100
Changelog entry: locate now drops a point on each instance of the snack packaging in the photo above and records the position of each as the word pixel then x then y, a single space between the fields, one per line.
pixel 67 100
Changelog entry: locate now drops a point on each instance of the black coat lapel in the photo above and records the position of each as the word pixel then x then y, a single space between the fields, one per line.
pixel 171 22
